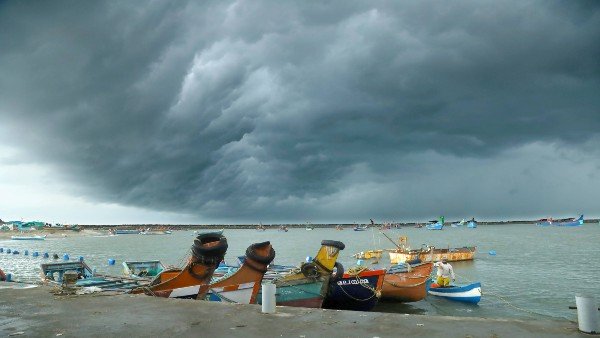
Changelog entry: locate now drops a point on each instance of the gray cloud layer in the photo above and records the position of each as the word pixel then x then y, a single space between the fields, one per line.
pixel 271 110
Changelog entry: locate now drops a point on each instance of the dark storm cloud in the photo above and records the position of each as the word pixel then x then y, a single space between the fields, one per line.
pixel 239 110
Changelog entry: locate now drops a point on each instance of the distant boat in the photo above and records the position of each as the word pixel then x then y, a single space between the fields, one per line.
pixel 472 224
pixel 309 227
pixel 574 222
pixel 155 232
pixel 126 232
pixel 28 238
pixel 467 293
pixel 361 227
pixel 568 222
pixel 457 224
pixel 435 226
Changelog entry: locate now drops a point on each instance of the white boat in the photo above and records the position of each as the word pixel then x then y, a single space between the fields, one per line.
pixel 467 293
pixel 28 238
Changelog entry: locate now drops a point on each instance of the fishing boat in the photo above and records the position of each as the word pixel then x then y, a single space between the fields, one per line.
pixel 360 227
pixel 126 231
pixel 54 273
pixel 243 285
pixel 309 226
pixel 358 289
pixel 28 238
pixel 432 254
pixel 470 293
pixel 193 280
pixel 472 224
pixel 458 224
pixel 283 228
pixel 339 227
pixel 155 232
pixel 142 269
pixel 406 283
pixel 307 285
pixel 569 222
pixel 369 254
pixel 434 226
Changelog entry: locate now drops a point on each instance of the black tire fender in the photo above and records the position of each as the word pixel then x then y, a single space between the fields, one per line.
pixel 310 270
pixel 335 244
pixel 251 253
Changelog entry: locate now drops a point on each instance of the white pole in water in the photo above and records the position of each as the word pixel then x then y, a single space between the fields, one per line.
pixel 587 313
pixel 268 298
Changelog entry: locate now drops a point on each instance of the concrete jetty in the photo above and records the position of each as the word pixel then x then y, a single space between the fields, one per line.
pixel 37 312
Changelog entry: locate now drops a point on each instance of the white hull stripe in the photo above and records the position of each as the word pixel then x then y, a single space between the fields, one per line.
pixel 476 292
pixel 185 292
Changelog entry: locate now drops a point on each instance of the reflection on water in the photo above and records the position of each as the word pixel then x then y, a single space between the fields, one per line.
pixel 537 271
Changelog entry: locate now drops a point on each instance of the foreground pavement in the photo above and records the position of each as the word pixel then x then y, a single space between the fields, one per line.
pixel 36 312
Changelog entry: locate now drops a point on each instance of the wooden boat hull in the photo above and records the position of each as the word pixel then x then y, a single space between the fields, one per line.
pixel 467 294
pixel 433 255
pixel 409 286
pixel 357 293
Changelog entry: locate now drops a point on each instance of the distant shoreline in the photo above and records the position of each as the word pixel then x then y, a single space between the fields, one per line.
pixel 277 225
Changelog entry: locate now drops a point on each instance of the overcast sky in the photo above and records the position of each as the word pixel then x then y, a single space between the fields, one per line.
pixel 269 111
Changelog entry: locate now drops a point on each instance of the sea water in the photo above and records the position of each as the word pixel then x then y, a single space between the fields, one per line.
pixel 535 272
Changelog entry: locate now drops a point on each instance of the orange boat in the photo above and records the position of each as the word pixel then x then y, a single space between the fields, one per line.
pixel 193 280
pixel 243 286
pixel 406 283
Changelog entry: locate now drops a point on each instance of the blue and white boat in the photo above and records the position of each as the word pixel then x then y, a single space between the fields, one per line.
pixel 434 226
pixel 574 222
pixel 472 224
pixel 457 224
pixel 360 227
pixel 470 293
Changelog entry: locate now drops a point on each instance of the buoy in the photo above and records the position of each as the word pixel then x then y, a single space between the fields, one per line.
pixel 65 257
pixel 55 256
pixel 7 251
pixel 9 277
pixel 308 259
pixel 35 254
pixel 16 252
pixel 111 261
pixel 26 253
pixel 1 249
pixel 81 258
pixel 360 262
pixel 492 252
pixel 46 255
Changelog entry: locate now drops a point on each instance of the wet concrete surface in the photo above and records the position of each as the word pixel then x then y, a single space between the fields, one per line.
pixel 37 312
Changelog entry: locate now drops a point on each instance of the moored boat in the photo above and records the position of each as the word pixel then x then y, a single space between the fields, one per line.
pixel 193 280
pixel 357 289
pixel 54 273
pixel 472 224
pixel 360 227
pixel 308 285
pixel 28 238
pixel 243 285
pixel 125 231
pixel 403 253
pixel 573 222
pixel 143 269
pixel 434 226
pixel 470 293
pixel 406 283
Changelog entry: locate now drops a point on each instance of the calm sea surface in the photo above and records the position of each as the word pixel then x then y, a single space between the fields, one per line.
pixel 536 271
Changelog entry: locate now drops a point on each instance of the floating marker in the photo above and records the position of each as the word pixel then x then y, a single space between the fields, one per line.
pixel 16 252
pixel 65 257
pixel 308 259
pixel 55 256
pixel 7 251
pixel 9 277
pixel 35 254
pixel 360 262
pixel 492 252
pixel 81 258
pixel 111 261
pixel 1 250
pixel 26 253
pixel 46 255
